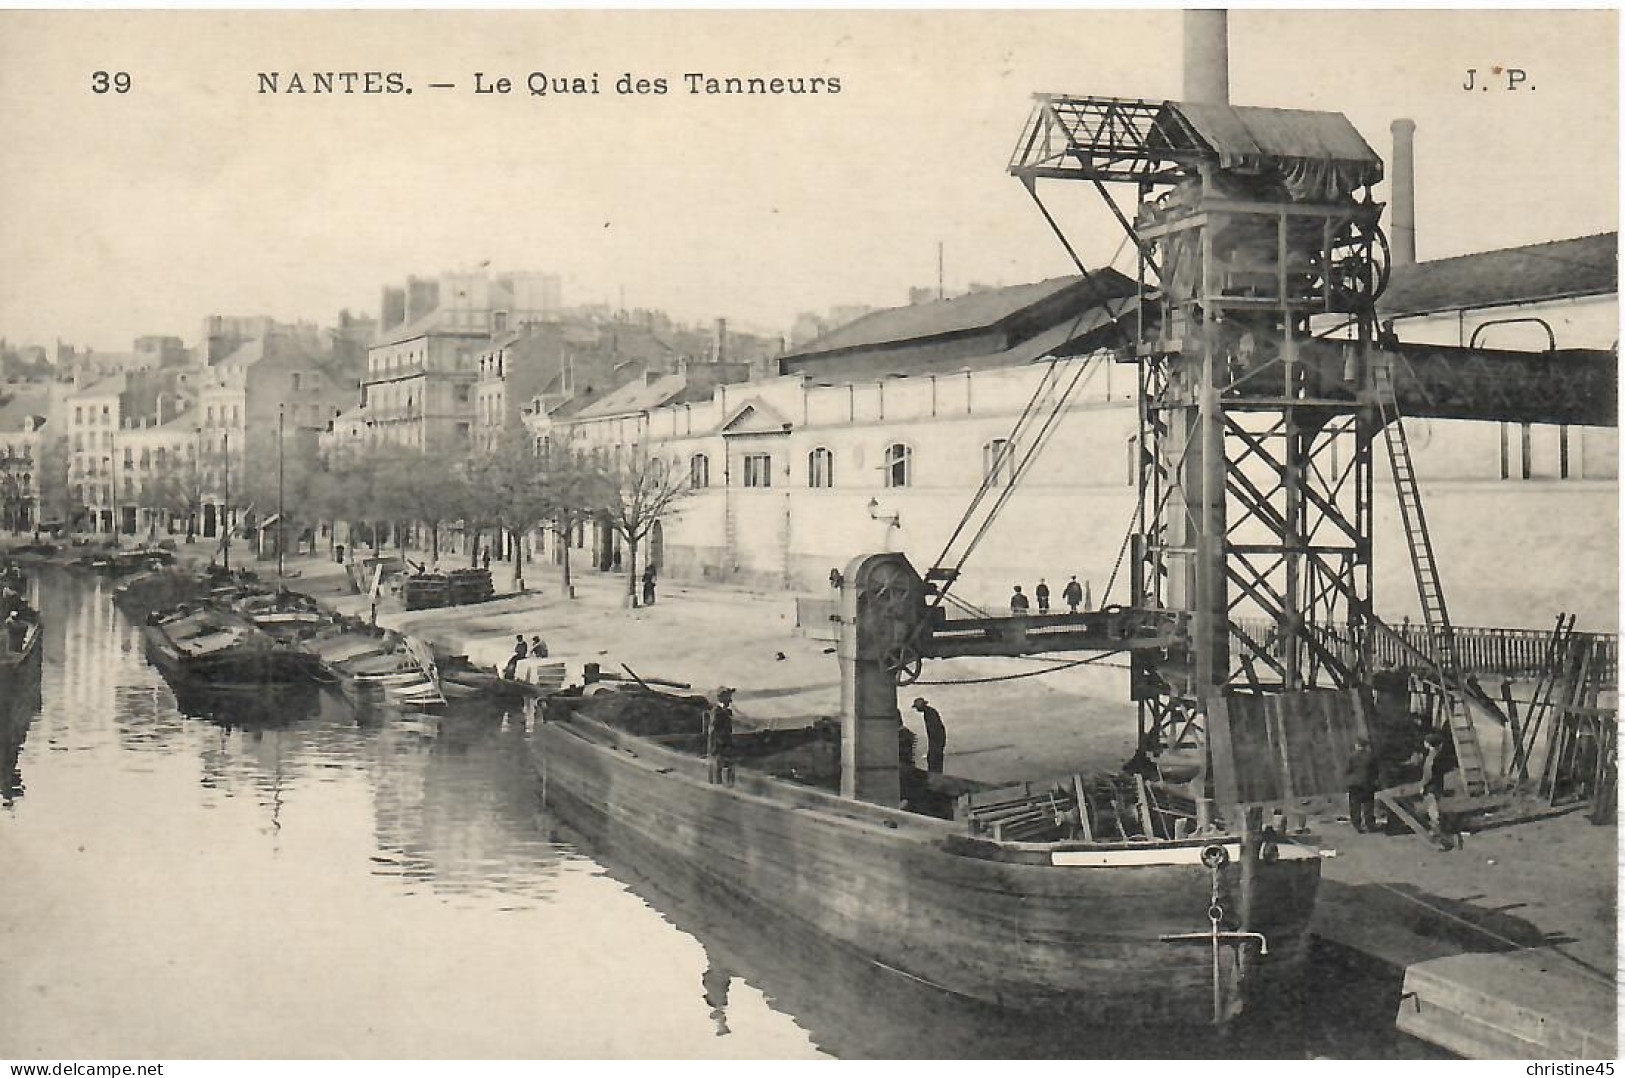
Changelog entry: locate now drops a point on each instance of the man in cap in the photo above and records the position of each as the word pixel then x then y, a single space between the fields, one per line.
pixel 719 737
pixel 1360 777
pixel 936 736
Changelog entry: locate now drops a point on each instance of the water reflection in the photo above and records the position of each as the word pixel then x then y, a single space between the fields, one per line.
pixel 218 878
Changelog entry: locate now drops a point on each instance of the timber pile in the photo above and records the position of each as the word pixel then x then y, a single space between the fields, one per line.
pixel 471 586
pixel 1115 808
pixel 424 591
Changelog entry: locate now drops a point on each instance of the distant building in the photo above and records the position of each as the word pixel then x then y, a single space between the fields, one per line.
pixel 997 328
pixel 24 419
pixel 1562 294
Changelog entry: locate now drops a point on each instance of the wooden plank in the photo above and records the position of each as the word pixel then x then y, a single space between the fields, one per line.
pixel 1391 801
pixel 1085 810
pixel 1221 750
pixel 1145 806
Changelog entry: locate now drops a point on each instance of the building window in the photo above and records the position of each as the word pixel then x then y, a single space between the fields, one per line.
pixel 998 463
pixel 78 415
pixel 899 465
pixel 820 468
pixel 462 394
pixel 296 378
pixel 699 471
pixel 758 470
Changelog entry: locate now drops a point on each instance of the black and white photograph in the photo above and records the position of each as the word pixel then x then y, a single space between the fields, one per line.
pixel 788 534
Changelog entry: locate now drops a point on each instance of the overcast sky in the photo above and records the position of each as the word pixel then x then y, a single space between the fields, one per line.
pixel 125 214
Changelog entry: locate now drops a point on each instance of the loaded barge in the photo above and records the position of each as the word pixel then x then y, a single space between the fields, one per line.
pixel 1122 900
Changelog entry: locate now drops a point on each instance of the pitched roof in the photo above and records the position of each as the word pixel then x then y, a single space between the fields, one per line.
pixel 962 314
pixel 638 395
pixel 433 322
pixel 1584 266
pixel 18 402
pixel 1246 137
pixel 109 386
pixel 756 416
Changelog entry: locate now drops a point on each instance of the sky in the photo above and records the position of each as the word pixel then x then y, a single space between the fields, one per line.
pixel 193 194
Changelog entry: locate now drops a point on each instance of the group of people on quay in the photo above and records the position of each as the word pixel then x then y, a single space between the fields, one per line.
pixel 1074 595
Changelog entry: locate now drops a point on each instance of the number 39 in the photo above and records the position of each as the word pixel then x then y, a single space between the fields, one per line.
pixel 118 82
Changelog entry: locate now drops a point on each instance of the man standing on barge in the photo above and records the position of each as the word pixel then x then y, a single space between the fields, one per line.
pixel 719 738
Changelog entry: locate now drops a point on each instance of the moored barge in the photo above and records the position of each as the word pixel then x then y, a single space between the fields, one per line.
pixel 1144 930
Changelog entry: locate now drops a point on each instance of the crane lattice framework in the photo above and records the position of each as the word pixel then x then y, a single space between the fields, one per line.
pixel 1260 262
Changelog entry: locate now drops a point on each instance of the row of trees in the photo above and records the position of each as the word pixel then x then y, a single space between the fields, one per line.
pixel 514 488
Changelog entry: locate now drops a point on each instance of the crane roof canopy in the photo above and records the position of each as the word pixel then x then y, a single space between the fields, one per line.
pixel 1317 155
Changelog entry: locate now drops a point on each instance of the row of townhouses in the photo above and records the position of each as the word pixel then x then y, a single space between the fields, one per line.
pixel 874 434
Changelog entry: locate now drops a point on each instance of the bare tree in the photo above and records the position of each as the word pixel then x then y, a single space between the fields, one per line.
pixel 640 491
pixel 509 485
pixel 180 486
pixel 578 489
pixel 56 500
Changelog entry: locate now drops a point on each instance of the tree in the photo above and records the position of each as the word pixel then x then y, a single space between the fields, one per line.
pixel 513 485
pixel 420 486
pixel 579 488
pixel 638 493
pixel 181 485
pixel 57 503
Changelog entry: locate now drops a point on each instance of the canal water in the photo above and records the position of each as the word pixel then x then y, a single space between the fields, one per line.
pixel 261 876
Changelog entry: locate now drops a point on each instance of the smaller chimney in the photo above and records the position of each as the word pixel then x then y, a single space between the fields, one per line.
pixel 1207 56
pixel 722 340
pixel 1402 221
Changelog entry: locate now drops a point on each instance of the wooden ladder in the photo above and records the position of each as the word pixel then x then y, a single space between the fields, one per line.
pixel 1469 753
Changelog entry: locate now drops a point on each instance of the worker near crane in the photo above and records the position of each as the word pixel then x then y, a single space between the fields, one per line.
pixel 1018 601
pixel 1072 595
pixel 719 738
pixel 936 735
pixel 1041 593
pixel 1435 765
pixel 1360 777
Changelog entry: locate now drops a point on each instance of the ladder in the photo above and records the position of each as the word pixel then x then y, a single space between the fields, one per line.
pixel 1469 753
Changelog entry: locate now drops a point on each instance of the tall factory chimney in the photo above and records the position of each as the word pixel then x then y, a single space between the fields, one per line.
pixel 1402 222
pixel 1207 56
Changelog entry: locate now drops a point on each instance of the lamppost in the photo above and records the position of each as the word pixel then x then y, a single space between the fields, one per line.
pixel 225 442
pixel 112 479
pixel 281 420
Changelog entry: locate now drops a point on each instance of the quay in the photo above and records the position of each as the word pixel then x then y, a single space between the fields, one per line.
pixel 1488 957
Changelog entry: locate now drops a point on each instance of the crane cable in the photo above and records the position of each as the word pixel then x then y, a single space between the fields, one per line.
pixel 1014 438
pixel 1030 673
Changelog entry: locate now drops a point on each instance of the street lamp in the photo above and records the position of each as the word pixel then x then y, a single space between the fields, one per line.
pixel 281 419
pixel 225 443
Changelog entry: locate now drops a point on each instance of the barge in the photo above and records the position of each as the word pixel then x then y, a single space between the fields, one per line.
pixel 222 647
pixel 1142 929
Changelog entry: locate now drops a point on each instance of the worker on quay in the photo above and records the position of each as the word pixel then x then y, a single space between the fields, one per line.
pixel 936 735
pixel 1072 595
pixel 649 586
pixel 1018 602
pixel 1041 593
pixel 538 648
pixel 1360 777
pixel 1435 765
pixel 719 737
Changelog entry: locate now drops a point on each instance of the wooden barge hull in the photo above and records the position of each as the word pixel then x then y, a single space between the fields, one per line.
pixel 248 665
pixel 1071 927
